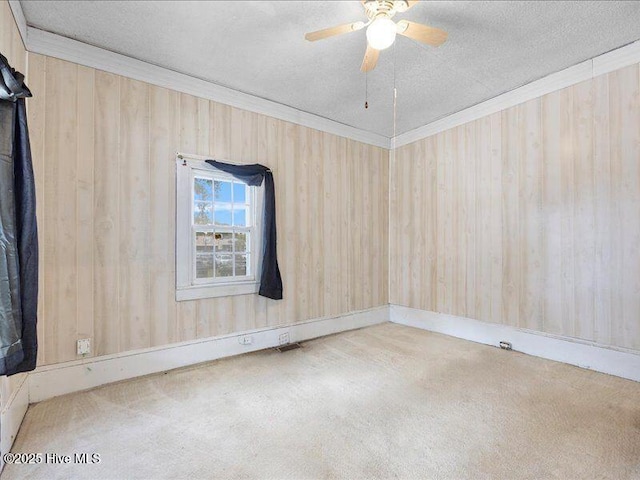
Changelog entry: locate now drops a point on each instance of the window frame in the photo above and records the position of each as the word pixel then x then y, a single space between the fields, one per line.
pixel 188 286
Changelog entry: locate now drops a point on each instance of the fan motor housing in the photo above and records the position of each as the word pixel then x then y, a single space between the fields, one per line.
pixel 388 8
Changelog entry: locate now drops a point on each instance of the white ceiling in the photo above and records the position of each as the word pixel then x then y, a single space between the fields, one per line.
pixel 259 48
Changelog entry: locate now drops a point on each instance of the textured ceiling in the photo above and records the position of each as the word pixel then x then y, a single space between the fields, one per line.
pixel 259 48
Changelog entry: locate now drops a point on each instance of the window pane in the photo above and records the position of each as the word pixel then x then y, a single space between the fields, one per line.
pixel 204 266
pixel 239 192
pixel 204 242
pixel 223 215
pixel 202 189
pixel 223 242
pixel 241 264
pixel 204 254
pixel 242 242
pixel 224 265
pixel 239 216
pixel 223 191
pixel 202 213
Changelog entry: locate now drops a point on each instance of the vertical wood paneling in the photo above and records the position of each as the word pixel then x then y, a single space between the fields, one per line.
pixel 470 218
pixel 414 203
pixel 301 220
pixel 510 215
pixel 446 246
pixel 104 151
pixel 496 219
pixel 134 214
pixel 483 220
pixel 315 284
pixel 329 230
pixel 84 198
pixel 395 253
pixel 401 227
pixel 382 231
pixel 584 225
pixel 428 218
pixel 345 168
pixel 625 109
pixel 356 224
pixel 459 162
pixel 567 212
pixel 537 215
pixel 11 44
pixel 163 138
pixel 530 201
pixel 552 238
pixel 290 272
pixel 59 238
pixel 106 215
pixel 603 212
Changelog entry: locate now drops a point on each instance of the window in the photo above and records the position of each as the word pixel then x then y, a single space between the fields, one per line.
pixel 218 233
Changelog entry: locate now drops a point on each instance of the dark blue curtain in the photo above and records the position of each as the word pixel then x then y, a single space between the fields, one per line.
pixel 18 229
pixel 253 175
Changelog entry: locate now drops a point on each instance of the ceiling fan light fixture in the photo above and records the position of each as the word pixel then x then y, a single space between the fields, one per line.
pixel 381 33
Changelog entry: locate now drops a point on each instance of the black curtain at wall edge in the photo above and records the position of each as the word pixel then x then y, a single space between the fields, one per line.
pixel 12 85
pixel 18 339
pixel 254 175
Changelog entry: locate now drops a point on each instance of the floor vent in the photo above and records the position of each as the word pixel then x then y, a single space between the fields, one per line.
pixel 288 346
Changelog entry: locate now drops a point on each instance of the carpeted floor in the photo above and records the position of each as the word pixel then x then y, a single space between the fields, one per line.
pixel 383 402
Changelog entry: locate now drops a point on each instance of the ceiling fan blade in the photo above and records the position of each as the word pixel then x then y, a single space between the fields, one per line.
pixel 330 32
pixel 422 33
pixel 370 59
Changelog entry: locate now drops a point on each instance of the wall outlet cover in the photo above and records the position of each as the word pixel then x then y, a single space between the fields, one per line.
pixel 84 346
pixel 284 338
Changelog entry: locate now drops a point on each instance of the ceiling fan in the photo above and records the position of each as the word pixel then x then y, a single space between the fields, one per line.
pixel 382 30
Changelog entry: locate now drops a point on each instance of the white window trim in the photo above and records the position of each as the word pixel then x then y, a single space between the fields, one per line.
pixel 187 287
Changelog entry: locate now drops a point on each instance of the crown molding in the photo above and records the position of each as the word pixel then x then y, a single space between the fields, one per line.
pixel 605 63
pixel 21 22
pixel 50 44
pixel 616 59
pixel 53 45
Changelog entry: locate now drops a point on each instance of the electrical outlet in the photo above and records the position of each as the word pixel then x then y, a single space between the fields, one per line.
pixel 84 346
pixel 245 340
pixel 284 338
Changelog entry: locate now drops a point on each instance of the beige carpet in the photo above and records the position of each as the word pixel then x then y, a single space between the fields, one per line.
pixel 383 402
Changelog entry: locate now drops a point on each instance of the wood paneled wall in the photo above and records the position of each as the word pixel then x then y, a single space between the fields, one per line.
pixel 11 45
pixel 529 217
pixel 104 150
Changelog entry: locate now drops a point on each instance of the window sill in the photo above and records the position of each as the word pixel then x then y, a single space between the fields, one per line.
pixel 196 292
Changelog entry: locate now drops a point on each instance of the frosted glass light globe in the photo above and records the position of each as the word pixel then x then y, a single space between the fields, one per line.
pixel 381 33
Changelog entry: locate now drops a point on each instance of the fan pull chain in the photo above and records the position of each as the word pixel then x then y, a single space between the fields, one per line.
pixel 366 90
pixel 395 94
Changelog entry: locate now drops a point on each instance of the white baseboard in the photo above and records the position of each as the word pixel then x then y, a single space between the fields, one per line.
pixel 15 400
pixel 54 380
pixel 621 363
